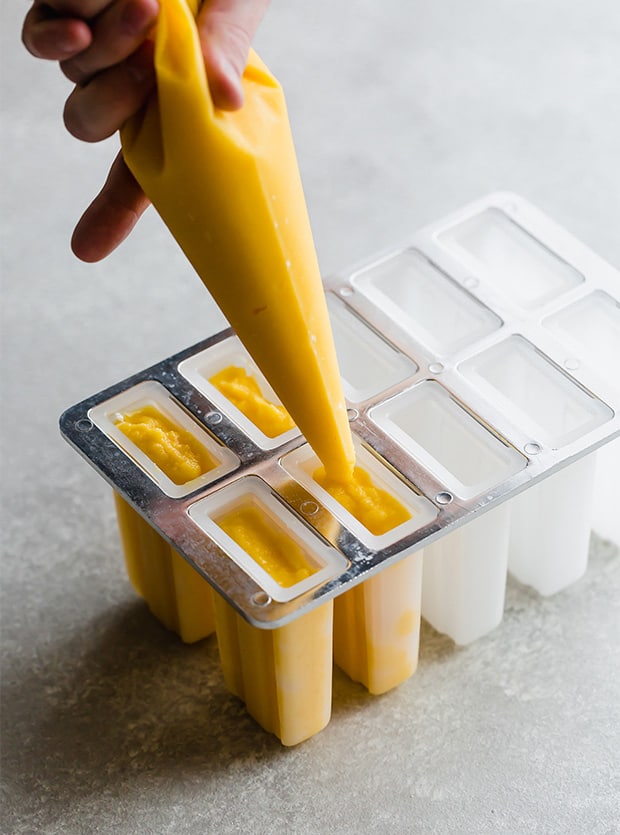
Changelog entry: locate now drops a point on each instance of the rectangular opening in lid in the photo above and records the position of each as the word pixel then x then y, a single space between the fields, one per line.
pixel 426 303
pixel 590 329
pixel 266 539
pixel 156 432
pixel 520 381
pixel 375 505
pixel 368 364
pixel 436 430
pixel 229 378
pixel 509 259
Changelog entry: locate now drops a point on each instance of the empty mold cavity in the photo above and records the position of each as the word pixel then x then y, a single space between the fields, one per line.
pixel 368 364
pixel 426 303
pixel 435 429
pixel 410 510
pixel 590 329
pixel 156 432
pixel 259 413
pixel 525 385
pixel 266 539
pixel 515 263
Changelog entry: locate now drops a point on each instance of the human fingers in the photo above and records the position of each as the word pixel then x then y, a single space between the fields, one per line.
pixel 84 9
pixel 111 216
pixel 117 32
pixel 46 35
pixel 98 109
pixel 226 29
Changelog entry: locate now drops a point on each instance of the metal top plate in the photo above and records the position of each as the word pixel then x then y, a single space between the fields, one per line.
pixel 503 335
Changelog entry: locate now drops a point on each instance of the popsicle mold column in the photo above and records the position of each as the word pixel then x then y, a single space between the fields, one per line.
pixel 283 675
pixel 376 623
pixel 175 593
pixel 465 577
pixel 377 626
pixel 551 525
pixel 605 516
pixel 590 328
pixel 552 520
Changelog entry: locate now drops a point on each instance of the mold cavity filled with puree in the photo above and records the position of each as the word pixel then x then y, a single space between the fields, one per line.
pixel 377 510
pixel 170 447
pixel 275 552
pixel 242 390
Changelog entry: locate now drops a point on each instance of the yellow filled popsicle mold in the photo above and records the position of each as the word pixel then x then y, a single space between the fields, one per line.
pixel 377 623
pixel 244 392
pixel 174 591
pixel 227 185
pixel 377 626
pixel 283 675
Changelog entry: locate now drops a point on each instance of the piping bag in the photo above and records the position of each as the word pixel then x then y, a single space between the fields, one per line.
pixel 228 187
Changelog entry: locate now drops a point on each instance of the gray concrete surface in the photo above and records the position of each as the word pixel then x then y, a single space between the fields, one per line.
pixel 402 111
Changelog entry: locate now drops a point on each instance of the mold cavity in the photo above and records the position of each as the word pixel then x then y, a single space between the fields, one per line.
pixel 229 378
pixel 528 388
pixel 426 303
pixel 511 260
pixel 266 539
pixel 170 446
pixel 432 427
pixel 368 364
pixel 523 383
pixel 590 328
pixel 375 505
pixel 163 439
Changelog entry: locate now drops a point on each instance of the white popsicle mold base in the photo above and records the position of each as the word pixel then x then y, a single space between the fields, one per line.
pixel 480 365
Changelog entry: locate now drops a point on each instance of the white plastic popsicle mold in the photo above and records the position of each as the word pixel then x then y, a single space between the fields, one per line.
pixel 480 365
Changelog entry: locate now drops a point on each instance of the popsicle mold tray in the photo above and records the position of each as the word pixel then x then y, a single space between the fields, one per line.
pixel 479 363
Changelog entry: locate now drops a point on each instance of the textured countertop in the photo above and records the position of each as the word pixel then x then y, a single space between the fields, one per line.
pixel 401 113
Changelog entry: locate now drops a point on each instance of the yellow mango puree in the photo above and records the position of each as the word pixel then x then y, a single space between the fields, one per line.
pixel 173 449
pixel 242 390
pixel 227 185
pixel 276 553
pixel 375 508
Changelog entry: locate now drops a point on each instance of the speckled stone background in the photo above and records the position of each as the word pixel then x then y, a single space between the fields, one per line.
pixel 402 111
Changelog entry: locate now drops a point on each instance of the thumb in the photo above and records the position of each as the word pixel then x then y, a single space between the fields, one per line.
pixel 111 216
pixel 226 29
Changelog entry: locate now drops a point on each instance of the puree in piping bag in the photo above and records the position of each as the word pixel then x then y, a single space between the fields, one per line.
pixel 228 187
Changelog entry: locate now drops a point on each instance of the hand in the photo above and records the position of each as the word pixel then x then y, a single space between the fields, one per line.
pixel 103 47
